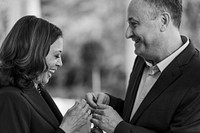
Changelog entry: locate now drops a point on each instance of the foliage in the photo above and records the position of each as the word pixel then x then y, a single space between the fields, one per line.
pixel 192 24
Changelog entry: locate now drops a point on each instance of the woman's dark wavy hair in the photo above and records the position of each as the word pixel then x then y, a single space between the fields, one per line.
pixel 23 52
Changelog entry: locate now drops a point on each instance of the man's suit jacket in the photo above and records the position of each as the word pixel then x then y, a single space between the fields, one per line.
pixel 26 111
pixel 173 103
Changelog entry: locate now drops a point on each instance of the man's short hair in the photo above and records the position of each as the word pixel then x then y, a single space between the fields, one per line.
pixel 174 7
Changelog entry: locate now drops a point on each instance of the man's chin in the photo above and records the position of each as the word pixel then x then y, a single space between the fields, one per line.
pixel 137 52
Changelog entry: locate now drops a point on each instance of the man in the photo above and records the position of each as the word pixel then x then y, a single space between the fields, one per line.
pixel 163 95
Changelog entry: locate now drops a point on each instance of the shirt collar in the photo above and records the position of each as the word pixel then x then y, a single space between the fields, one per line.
pixel 164 63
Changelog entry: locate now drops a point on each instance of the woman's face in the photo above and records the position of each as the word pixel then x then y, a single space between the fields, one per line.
pixel 53 60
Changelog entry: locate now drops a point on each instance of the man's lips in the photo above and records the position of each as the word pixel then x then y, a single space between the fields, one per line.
pixel 136 39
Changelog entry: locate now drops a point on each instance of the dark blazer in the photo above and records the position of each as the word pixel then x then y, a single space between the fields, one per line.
pixel 28 112
pixel 173 103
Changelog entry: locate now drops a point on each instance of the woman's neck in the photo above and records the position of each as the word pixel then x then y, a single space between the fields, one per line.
pixel 35 84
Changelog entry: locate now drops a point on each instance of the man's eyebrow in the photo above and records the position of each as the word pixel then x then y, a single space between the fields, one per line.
pixel 130 19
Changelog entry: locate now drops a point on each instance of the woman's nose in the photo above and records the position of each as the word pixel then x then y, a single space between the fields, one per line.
pixel 129 33
pixel 59 62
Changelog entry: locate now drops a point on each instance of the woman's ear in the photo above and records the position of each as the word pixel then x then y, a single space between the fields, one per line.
pixel 165 19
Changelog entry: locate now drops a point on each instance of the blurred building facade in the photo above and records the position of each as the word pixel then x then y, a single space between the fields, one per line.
pixel 14 9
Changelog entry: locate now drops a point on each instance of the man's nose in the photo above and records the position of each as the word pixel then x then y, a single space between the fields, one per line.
pixel 129 33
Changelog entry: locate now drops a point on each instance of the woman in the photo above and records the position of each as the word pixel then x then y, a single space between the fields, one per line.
pixel 29 55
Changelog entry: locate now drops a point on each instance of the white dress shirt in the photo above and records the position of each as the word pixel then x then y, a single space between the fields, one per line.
pixel 151 74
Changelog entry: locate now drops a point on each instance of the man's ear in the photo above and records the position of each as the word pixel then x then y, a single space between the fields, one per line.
pixel 165 19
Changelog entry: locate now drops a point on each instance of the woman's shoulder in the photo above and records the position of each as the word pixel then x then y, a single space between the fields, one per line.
pixel 10 94
pixel 10 90
pixel 14 104
pixel 12 98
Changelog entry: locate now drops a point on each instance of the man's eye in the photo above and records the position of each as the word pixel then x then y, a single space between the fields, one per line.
pixel 132 24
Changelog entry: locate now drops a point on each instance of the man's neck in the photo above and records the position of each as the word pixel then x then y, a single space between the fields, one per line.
pixel 170 45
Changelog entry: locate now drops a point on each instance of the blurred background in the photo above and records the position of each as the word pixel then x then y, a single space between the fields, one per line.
pixel 96 55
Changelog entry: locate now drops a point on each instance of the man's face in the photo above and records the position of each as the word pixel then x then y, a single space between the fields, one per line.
pixel 143 30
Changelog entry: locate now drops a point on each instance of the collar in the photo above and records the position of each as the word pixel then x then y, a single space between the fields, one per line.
pixel 164 63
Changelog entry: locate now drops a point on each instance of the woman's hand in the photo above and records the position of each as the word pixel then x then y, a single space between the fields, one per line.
pixel 76 117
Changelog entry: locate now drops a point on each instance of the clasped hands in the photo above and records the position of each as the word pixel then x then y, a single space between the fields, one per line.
pixel 94 108
pixel 103 115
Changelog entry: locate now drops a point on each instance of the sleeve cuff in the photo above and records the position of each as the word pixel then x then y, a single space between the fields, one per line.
pixel 120 128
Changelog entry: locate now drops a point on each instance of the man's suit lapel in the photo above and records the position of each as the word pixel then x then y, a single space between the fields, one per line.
pixel 133 87
pixel 40 105
pixel 168 76
pixel 164 81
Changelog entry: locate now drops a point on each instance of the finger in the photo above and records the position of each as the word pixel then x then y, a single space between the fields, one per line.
pixel 102 106
pixel 96 116
pixel 100 99
pixel 91 100
pixel 88 113
pixel 96 122
pixel 82 103
pixel 96 130
pixel 86 108
pixel 99 111
pixel 92 109
pixel 74 106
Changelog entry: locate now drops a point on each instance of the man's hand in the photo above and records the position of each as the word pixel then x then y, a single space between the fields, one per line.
pixel 106 118
pixel 97 98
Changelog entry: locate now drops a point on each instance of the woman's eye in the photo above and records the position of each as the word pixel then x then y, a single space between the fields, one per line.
pixel 57 56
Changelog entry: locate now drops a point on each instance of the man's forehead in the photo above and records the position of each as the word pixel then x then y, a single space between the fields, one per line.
pixel 137 9
pixel 134 5
pixel 135 2
pixel 132 11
